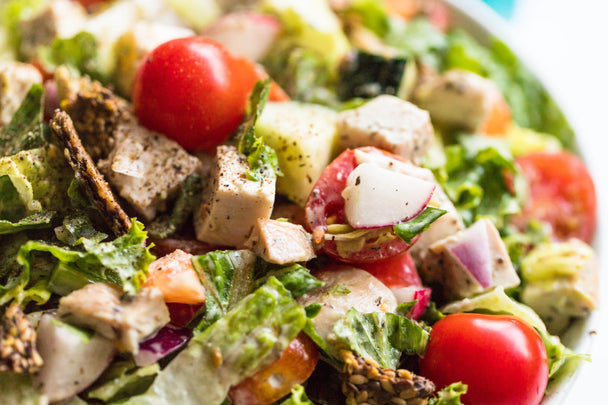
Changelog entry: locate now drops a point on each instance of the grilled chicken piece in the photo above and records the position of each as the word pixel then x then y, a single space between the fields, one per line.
pixel 96 187
pixel 388 123
pixel 281 242
pixel 147 169
pixel 345 288
pixel 233 203
pixel 57 19
pixel 126 321
pixel 469 262
pixel 15 81
pixel 365 382
pixel 18 351
pixel 464 100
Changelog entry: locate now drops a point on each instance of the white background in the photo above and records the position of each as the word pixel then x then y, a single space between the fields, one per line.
pixel 566 44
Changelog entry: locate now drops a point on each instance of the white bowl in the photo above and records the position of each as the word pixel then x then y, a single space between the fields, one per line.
pixel 483 23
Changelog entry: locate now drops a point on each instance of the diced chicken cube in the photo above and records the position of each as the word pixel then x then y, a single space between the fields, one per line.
pixel 465 100
pixel 57 19
pixel 233 204
pixel 469 262
pixel 281 242
pixel 388 123
pixel 245 33
pixel 99 307
pixel 146 168
pixel 15 81
pixel 345 288
pixel 137 42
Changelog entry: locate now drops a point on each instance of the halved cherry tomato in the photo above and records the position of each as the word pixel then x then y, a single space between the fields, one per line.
pixel 395 272
pixel 273 382
pixel 502 359
pixel 195 92
pixel 562 194
pixel 325 206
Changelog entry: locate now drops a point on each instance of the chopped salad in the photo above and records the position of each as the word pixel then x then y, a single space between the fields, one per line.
pixel 282 202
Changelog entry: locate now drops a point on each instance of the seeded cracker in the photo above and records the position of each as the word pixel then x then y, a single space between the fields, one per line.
pixel 365 382
pixel 96 187
pixel 18 342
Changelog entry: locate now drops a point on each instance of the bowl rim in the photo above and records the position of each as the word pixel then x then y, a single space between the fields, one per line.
pixel 483 23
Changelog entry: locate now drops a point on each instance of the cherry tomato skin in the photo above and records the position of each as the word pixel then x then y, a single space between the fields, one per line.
pixel 273 382
pixel 395 272
pixel 562 193
pixel 501 358
pixel 326 205
pixel 193 91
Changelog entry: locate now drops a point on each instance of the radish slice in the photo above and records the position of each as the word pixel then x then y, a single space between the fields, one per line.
pixel 376 197
pixel 421 295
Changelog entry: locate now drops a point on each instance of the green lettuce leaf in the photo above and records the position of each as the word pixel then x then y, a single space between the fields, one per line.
pixel 296 278
pixel 33 221
pixel 39 182
pixel 263 160
pixel 12 12
pixel 79 53
pixel 19 389
pixel 123 379
pixel 185 204
pixel 378 336
pixel 449 395
pixel 417 39
pixel 227 277
pixel 123 261
pixel 409 229
pixel 25 131
pixel 250 336
pixel 474 179
pixel 298 397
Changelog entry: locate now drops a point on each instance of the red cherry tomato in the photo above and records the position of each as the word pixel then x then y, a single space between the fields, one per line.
pixel 395 272
pixel 501 358
pixel 194 91
pixel 273 382
pixel 562 194
pixel 325 205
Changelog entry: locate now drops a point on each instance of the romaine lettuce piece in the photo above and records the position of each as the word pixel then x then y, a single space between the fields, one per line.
pixel 123 261
pixel 250 336
pixel 474 179
pixel 40 177
pixel 378 336
pixel 296 278
pixel 25 131
pixel 18 389
pixel 449 395
pixel 298 397
pixel 122 380
pixel 311 25
pixel 79 53
pixel 11 13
